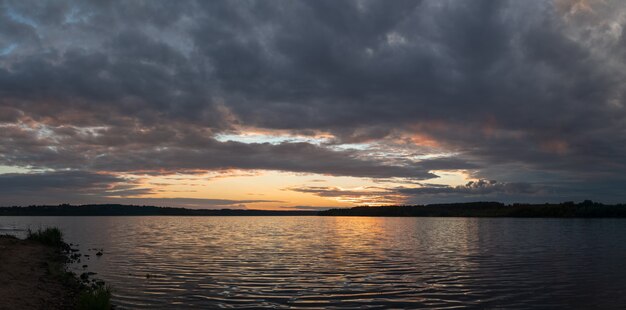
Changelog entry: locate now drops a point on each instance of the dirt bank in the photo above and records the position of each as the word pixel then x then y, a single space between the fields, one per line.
pixel 31 276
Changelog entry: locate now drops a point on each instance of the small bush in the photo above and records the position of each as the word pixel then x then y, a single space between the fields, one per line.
pixel 50 236
pixel 98 298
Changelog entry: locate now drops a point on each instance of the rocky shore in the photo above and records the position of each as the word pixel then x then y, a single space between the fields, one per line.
pixel 30 276
pixel 33 275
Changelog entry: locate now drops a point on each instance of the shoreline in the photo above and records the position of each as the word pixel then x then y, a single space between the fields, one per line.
pixel 34 275
pixel 484 209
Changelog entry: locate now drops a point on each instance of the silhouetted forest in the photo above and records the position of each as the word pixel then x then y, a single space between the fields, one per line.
pixel 116 209
pixel 585 209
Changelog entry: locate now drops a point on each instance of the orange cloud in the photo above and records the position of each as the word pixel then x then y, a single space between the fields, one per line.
pixel 574 7
pixel 424 140
pixel 559 147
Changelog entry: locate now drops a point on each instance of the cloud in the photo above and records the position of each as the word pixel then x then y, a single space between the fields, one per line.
pixel 360 196
pixel 474 188
pixel 80 181
pixel 307 208
pixel 173 149
pixel 31 188
pixel 191 203
pixel 122 87
pixel 82 187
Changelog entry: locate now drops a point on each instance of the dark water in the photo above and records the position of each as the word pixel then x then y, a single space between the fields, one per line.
pixel 344 262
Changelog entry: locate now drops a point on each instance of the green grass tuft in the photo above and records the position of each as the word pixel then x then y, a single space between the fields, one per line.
pixel 98 298
pixel 50 236
pixel 95 297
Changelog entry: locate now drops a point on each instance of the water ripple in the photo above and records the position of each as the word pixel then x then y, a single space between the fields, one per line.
pixel 346 263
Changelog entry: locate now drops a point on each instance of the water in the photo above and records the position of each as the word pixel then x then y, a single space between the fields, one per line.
pixel 350 262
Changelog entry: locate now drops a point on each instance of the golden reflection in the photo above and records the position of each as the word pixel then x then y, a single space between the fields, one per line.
pixel 355 235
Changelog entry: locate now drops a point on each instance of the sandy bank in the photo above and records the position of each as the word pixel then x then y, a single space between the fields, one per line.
pixel 29 276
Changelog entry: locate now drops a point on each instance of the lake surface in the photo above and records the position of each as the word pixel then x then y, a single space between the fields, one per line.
pixel 350 262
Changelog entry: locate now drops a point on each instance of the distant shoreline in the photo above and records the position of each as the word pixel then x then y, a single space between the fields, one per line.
pixel 585 209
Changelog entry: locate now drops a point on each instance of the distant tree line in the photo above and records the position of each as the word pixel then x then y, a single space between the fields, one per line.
pixel 585 209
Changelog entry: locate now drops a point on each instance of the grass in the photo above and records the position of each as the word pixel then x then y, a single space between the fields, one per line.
pixel 51 236
pixel 98 298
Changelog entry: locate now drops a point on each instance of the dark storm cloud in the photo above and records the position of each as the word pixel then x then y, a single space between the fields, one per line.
pixel 75 180
pixel 475 188
pixel 86 187
pixel 533 85
pixel 169 150
pixel 297 157
pixel 44 187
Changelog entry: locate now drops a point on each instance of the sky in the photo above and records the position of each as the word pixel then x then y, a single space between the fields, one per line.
pixel 312 104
